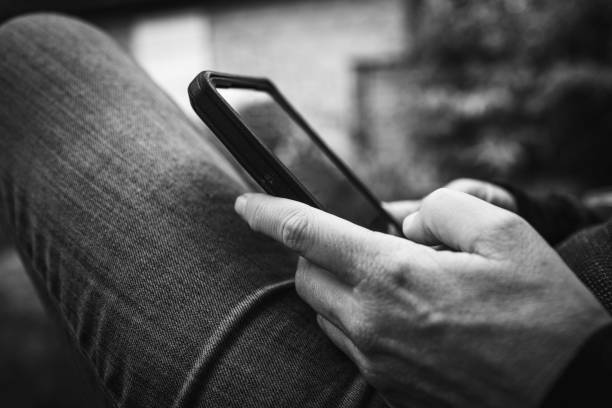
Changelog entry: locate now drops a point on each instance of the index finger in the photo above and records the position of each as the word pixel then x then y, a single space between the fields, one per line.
pixel 401 209
pixel 331 242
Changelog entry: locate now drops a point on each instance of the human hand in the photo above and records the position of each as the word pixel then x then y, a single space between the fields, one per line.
pixel 486 191
pixel 490 322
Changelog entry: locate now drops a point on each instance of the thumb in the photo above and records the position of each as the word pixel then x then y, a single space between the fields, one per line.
pixel 456 220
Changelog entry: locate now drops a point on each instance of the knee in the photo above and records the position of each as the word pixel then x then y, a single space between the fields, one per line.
pixel 33 29
pixel 47 56
pixel 40 29
pixel 27 41
pixel 44 61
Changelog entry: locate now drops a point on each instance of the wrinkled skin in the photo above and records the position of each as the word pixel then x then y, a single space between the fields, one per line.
pixel 471 308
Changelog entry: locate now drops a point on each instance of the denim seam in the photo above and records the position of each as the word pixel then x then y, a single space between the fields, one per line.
pixel 72 335
pixel 219 338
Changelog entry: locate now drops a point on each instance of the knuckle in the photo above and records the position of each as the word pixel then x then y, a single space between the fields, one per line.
pixel 505 230
pixel 363 330
pixel 507 223
pixel 437 196
pixel 384 280
pixel 293 229
pixel 397 270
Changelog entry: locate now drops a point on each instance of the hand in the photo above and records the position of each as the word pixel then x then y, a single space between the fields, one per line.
pixel 488 192
pixel 490 323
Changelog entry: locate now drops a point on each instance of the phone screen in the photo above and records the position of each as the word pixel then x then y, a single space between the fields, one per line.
pixel 292 146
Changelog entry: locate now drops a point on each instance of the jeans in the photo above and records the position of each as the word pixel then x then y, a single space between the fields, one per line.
pixel 123 216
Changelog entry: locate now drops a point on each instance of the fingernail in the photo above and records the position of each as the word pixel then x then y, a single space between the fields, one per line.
pixel 240 204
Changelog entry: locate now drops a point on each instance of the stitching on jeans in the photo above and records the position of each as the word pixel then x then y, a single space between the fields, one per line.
pixel 238 312
pixel 53 302
pixel 218 340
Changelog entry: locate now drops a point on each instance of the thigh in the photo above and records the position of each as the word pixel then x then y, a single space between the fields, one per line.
pixel 123 216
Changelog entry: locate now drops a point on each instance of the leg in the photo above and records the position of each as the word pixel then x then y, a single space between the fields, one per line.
pixel 123 216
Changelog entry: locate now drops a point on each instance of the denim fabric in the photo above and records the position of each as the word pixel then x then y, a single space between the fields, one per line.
pixel 122 214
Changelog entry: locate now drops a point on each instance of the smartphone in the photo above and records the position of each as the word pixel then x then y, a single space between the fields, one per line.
pixel 280 151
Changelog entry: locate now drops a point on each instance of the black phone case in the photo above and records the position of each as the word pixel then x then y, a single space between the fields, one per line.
pixel 261 164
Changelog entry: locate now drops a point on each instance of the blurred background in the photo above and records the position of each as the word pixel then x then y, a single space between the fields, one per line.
pixel 410 93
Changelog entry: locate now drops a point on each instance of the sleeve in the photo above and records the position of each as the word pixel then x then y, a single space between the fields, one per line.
pixel 587 379
pixel 589 254
pixel 554 216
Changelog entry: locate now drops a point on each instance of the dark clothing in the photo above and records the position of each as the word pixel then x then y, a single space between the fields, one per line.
pixel 587 379
pixel 554 216
pixel 584 241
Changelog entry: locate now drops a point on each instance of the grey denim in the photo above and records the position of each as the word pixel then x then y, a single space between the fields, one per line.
pixel 122 214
